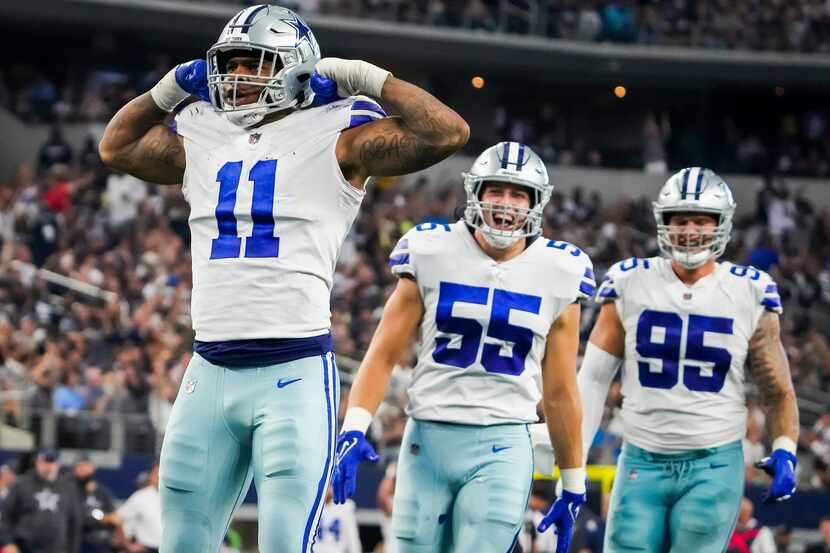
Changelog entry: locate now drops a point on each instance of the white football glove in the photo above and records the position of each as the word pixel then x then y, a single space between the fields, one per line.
pixel 353 76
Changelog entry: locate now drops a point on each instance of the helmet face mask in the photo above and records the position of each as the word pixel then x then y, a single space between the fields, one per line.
pixel 280 53
pixel 693 192
pixel 502 224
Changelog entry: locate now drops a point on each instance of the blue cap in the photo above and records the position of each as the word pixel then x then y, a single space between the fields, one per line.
pixel 48 454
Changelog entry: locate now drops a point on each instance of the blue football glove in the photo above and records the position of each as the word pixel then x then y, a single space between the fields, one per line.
pixel 781 467
pixel 325 90
pixel 352 449
pixel 562 515
pixel 192 77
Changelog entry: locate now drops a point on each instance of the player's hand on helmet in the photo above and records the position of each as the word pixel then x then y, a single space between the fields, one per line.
pixel 781 467
pixel 562 516
pixel 325 90
pixel 352 449
pixel 192 77
pixel 186 79
pixel 353 76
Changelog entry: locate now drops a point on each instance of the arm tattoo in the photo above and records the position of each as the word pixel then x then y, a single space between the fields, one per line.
pixel 771 372
pixel 405 152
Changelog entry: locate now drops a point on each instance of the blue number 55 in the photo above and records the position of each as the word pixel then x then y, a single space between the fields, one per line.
pixel 471 330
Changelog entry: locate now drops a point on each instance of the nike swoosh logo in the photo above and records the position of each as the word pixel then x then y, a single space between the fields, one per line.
pixel 283 383
pixel 717 465
pixel 497 449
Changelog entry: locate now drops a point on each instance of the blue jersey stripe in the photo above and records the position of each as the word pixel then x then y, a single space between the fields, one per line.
pixel 589 273
pixel 771 303
pixel 399 260
pixel 771 288
pixel 322 484
pixel 368 106
pixel 609 293
pixel 358 120
pixel 587 288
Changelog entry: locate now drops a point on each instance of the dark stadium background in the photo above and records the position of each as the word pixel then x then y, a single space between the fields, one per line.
pixel 94 271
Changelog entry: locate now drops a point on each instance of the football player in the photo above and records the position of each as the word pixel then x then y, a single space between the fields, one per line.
pixel 682 327
pixel 274 182
pixel 497 306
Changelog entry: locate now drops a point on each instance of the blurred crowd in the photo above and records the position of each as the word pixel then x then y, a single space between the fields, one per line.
pixel 800 26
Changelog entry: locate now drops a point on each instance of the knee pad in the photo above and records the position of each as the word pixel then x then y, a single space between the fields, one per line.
pixel 182 464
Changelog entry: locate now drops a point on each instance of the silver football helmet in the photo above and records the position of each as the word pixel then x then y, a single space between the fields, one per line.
pixel 694 190
pixel 515 163
pixel 287 52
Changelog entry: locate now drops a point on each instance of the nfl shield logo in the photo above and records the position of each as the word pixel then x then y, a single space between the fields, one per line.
pixel 632 475
pixel 190 386
pixel 253 138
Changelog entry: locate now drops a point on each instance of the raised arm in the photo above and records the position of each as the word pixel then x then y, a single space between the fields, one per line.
pixel 426 131
pixel 137 142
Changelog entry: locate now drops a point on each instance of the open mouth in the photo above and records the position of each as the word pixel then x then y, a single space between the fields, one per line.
pixel 503 221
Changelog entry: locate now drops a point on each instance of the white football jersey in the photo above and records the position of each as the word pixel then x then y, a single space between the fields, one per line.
pixel 338 531
pixel 485 323
pixel 269 210
pixel 685 350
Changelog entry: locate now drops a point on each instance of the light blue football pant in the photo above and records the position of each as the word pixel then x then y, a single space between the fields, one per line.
pixel 231 425
pixel 461 488
pixel 683 503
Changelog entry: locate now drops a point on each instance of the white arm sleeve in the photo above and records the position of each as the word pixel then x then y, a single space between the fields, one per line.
pixel 594 378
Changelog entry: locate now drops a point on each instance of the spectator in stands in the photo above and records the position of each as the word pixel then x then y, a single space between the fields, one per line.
pixel 68 397
pixel 749 536
pixel 41 512
pixel 97 508
pixel 822 546
pixel 56 150
pixel 7 477
pixel 141 516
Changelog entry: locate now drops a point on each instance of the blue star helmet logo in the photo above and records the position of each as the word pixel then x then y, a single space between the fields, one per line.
pixel 302 30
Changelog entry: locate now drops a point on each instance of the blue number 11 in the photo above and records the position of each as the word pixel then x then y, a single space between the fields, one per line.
pixel 262 242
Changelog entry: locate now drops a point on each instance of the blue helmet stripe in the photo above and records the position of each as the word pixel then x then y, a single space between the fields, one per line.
pixel 520 161
pixel 249 20
pixel 684 188
pixel 505 153
pixel 698 183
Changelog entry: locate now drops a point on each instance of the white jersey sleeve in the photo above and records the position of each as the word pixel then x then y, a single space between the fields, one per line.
pixel 270 210
pixel 401 259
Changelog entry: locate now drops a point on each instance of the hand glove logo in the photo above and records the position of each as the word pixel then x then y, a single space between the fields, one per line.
pixel 781 467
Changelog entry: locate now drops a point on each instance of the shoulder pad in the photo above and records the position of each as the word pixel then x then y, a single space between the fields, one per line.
pixel 572 259
pixel 418 239
pixel 615 278
pixel 764 288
